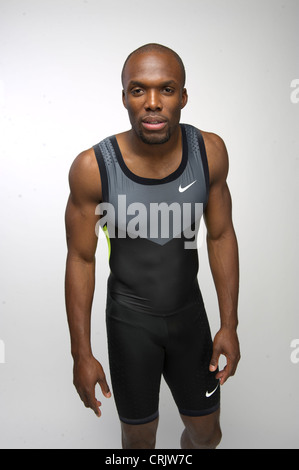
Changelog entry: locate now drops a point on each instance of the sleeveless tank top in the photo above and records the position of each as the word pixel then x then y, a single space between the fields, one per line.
pixel 151 227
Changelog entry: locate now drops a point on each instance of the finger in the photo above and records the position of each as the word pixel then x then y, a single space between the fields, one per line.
pixel 105 388
pixel 214 361
pixel 221 376
pixel 95 406
pixel 91 402
pixel 97 409
pixel 227 371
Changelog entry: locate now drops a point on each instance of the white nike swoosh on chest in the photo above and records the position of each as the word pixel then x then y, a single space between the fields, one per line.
pixel 186 187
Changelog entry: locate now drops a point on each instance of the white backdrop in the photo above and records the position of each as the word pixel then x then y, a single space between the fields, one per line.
pixel 60 93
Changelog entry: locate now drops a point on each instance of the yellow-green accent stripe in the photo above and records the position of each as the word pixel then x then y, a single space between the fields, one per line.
pixel 105 230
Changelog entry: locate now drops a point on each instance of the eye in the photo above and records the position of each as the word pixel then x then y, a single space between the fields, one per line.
pixel 137 91
pixel 168 90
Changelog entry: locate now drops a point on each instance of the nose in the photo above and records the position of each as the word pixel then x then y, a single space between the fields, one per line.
pixel 153 100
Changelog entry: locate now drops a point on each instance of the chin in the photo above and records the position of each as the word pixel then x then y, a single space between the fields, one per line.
pixel 153 139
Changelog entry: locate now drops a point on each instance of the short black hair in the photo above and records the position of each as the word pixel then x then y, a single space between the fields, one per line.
pixel 158 48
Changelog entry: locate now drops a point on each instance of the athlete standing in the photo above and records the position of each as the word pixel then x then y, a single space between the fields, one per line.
pixel 156 319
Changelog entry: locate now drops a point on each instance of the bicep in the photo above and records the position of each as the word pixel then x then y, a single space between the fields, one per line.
pixel 80 214
pixel 218 213
pixel 80 223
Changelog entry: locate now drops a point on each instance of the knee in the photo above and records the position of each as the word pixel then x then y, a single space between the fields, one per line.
pixel 211 440
pixel 203 439
pixel 139 436
pixel 137 443
pixel 133 441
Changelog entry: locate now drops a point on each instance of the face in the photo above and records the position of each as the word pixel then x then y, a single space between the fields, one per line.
pixel 154 95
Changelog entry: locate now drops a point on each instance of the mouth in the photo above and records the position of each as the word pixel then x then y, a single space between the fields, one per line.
pixel 153 123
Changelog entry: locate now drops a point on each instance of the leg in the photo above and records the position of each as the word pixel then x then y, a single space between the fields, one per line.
pixel 195 389
pixel 136 363
pixel 202 432
pixel 139 436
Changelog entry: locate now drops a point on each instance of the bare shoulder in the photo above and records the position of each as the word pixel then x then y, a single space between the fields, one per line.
pixel 84 177
pixel 217 156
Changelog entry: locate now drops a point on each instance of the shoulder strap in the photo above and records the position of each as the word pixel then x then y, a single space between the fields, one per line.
pixel 204 158
pixel 197 157
pixel 103 172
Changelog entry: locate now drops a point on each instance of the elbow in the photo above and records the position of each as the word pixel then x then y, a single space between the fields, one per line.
pixel 225 234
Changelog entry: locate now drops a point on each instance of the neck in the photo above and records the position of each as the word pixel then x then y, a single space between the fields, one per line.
pixel 155 151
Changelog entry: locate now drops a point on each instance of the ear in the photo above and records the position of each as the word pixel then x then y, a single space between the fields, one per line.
pixel 184 98
pixel 124 99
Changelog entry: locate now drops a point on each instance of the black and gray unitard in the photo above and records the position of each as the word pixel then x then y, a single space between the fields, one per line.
pixel 155 316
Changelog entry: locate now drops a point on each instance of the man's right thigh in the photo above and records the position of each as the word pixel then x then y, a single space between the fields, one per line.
pixel 136 360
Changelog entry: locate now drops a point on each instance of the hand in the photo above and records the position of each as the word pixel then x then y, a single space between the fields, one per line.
pixel 226 343
pixel 87 373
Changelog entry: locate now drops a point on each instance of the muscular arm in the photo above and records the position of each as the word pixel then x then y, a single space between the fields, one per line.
pixel 223 257
pixel 80 220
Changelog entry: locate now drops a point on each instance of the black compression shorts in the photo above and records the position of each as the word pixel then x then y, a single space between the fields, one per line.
pixel 143 347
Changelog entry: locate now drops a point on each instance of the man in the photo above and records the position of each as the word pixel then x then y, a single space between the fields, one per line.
pixel 156 320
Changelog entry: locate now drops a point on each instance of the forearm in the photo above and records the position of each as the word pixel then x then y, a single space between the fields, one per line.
pixel 79 291
pixel 224 263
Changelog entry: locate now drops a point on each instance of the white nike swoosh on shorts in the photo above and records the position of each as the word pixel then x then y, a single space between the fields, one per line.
pixel 209 394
